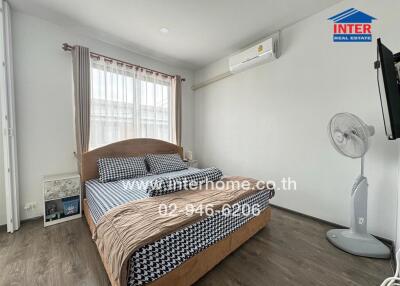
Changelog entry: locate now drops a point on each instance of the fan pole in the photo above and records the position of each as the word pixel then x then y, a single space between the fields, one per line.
pixel 362 166
pixel 356 240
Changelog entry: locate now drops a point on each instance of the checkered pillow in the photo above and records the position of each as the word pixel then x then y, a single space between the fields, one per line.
pixel 164 163
pixel 113 169
pixel 171 184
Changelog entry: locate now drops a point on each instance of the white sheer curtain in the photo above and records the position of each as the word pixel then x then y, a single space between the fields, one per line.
pixel 129 103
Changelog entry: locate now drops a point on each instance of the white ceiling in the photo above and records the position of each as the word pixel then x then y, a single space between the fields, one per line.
pixel 200 32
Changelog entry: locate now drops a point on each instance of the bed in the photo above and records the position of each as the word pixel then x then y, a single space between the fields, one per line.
pixel 179 255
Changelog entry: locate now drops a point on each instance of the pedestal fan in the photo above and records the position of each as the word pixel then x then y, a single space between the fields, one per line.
pixel 349 135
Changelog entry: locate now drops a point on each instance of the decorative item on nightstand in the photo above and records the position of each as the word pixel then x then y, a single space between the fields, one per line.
pixel 189 160
pixel 62 198
pixel 189 155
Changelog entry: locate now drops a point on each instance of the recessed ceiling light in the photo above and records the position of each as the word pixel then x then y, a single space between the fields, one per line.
pixel 164 30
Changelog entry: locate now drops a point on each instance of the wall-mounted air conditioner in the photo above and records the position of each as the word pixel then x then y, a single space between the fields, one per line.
pixel 265 51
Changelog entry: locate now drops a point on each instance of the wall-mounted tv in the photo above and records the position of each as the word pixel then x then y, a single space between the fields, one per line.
pixel 388 66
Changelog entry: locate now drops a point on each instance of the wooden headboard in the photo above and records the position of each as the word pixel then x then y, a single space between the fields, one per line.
pixel 131 147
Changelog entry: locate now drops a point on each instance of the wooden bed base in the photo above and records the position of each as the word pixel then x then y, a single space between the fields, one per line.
pixel 194 268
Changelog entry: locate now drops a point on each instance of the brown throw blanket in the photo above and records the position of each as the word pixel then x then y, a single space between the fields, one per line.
pixel 126 228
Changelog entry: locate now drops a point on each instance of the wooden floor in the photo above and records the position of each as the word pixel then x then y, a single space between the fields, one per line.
pixel 292 250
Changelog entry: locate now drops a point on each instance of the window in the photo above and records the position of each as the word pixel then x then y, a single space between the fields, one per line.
pixel 127 103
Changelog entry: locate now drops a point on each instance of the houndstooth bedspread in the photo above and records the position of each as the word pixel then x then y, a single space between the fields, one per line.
pixel 156 259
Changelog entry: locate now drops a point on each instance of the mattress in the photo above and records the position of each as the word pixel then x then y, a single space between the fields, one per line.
pixel 156 259
pixel 102 197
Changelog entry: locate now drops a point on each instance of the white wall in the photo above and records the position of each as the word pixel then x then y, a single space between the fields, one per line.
pixel 271 121
pixel 43 91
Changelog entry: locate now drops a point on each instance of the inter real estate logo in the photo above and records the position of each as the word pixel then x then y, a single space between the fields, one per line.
pixel 352 25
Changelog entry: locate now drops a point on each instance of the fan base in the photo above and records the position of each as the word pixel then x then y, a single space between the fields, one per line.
pixel 358 244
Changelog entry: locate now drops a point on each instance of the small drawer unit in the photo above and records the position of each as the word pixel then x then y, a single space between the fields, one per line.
pixel 62 198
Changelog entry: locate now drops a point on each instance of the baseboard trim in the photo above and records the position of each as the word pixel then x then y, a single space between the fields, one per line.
pixel 32 219
pixel 4 226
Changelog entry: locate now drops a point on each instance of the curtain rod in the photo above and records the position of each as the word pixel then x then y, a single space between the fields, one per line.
pixel 67 47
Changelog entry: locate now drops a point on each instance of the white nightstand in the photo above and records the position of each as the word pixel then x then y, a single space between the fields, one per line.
pixel 192 163
pixel 62 198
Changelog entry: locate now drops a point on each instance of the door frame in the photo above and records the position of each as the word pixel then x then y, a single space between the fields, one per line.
pixel 7 103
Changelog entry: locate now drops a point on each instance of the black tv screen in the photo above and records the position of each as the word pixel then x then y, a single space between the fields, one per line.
pixel 390 95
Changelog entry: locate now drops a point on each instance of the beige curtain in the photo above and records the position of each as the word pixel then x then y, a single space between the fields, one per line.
pixel 177 108
pixel 81 75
